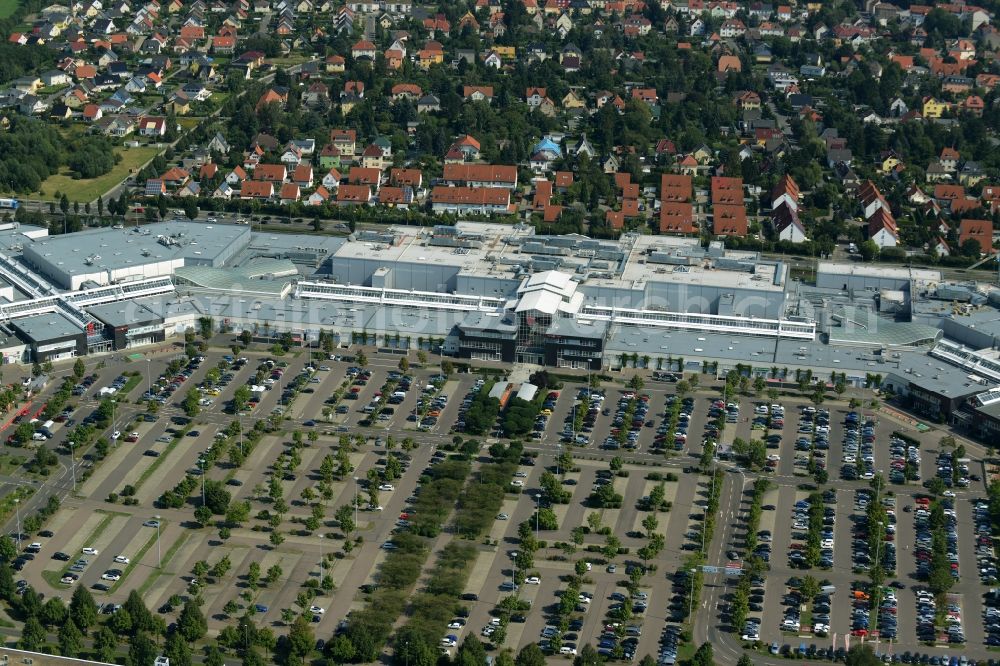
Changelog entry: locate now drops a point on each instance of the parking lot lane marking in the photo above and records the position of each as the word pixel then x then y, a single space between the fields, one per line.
pixel 78 538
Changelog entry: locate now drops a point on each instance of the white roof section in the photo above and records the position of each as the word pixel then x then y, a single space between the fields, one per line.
pixel 556 280
pixel 541 300
pixel 549 292
pixel 879 271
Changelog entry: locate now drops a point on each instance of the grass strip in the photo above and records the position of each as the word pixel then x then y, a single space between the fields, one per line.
pixel 160 458
pixel 53 578
pixel 135 560
pixel 169 555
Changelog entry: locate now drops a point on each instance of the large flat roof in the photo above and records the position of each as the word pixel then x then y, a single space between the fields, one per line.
pixel 124 313
pixel 48 326
pixel 937 376
pixel 878 271
pixel 92 251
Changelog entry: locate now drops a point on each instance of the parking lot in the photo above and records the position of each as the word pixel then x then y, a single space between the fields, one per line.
pixel 143 544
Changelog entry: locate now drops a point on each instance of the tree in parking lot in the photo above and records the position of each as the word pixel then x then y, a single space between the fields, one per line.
pixel 70 639
pixel 703 656
pixel 253 575
pixel 192 623
pixel 82 609
pixel 861 655
pixel 809 588
pixel 217 498
pixel 32 635
pixel 345 518
pixel 650 523
pixel 611 547
pixel 79 368
pixel 8 550
pixel 190 404
pixel 203 515
pixel 594 521
pixel 745 660
pixel 530 655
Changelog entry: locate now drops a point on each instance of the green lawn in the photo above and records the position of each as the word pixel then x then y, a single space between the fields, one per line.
pixel 91 188
pixel 7 7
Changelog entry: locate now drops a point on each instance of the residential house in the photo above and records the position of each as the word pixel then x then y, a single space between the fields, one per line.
pixel 787 225
pixel 480 175
pixel 303 176
pixel 934 108
pixel 727 190
pixel 152 126
pixel 428 104
pixel 882 229
pixel 289 194
pixel 478 94
pixel 411 178
pixel 175 178
pixel 729 219
pixel 396 197
pixel 345 141
pixel 331 180
pixel 353 195
pixel 474 200
pixel 786 192
pixel 363 49
pixel 980 231
pixel 319 197
pixel 275 173
pixel 256 189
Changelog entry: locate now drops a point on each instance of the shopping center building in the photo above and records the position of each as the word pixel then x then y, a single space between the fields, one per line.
pixel 496 293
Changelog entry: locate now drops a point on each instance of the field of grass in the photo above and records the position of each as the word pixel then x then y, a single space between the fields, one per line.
pixel 7 7
pixel 91 188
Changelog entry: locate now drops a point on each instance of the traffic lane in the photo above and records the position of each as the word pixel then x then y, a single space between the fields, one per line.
pixel 968 584
pixel 183 459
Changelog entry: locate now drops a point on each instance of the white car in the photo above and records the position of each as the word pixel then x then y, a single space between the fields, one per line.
pixel 67 580
pixel 517 482
pixel 948 493
pixel 89 551
pixel 750 637
pixel 502 516
pixel 374 507
pixel 821 629
pixel 317 610
pixel 116 434
pixel 457 623
pixel 110 576
pixel 386 486
pixel 567 649
pixel 448 641
pixel 533 580
pixel 826 543
pixel 583 599
pixel 121 559
pixel 521 475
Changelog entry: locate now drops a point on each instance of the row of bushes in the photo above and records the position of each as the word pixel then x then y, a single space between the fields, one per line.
pixel 368 630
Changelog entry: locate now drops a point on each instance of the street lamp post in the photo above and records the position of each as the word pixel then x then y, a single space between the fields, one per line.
pixel 17 509
pixel 72 464
pixel 355 502
pixel 538 509
pixel 159 559
pixel 321 559
pixel 149 384
pixel 691 572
